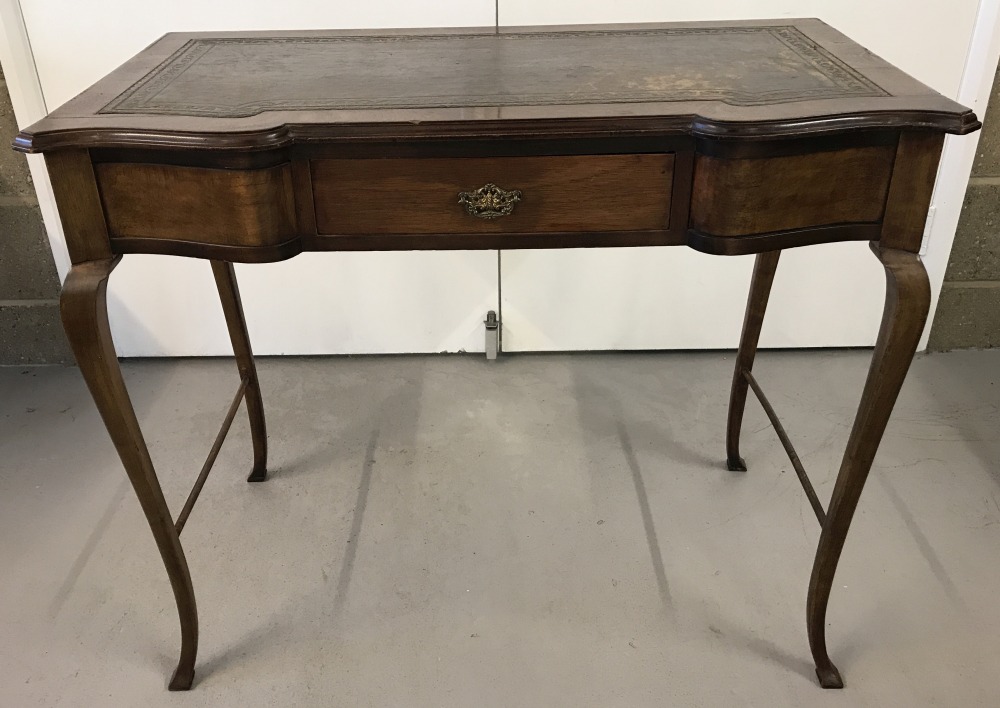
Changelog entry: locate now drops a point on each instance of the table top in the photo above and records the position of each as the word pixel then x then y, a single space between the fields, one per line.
pixel 255 90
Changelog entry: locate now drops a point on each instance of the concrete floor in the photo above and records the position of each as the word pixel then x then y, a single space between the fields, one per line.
pixel 552 530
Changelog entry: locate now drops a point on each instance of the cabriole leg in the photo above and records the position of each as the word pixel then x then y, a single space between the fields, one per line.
pixel 907 300
pixel 760 289
pixel 232 306
pixel 85 317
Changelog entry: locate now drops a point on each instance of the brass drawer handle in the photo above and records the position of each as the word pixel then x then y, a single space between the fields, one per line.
pixel 489 201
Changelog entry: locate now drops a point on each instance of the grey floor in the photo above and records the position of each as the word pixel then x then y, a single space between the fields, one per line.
pixel 542 531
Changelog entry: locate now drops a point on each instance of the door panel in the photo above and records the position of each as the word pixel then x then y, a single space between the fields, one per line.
pixel 676 298
pixel 316 303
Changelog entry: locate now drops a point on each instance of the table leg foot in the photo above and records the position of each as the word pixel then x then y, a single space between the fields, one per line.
pixel 907 300
pixel 83 304
pixel 829 677
pixel 232 307
pixel 182 679
pixel 760 289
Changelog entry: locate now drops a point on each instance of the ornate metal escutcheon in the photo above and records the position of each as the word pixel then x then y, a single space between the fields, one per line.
pixel 489 201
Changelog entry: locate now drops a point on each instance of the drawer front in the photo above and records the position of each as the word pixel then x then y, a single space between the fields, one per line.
pixel 213 206
pixel 573 193
pixel 749 196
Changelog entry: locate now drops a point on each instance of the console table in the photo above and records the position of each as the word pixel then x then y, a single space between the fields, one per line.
pixel 730 138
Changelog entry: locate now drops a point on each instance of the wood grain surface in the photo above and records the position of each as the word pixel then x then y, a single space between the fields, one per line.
pixel 569 193
pixel 739 197
pixel 228 207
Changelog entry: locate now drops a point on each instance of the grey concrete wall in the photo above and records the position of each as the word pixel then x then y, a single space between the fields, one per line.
pixel 968 313
pixel 30 332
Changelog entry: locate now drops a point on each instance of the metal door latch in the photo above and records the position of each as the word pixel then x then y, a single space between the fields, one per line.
pixel 492 334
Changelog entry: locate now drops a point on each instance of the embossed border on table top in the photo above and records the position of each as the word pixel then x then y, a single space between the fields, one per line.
pixel 140 98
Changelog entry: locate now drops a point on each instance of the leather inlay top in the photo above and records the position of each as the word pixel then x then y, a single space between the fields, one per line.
pixel 233 77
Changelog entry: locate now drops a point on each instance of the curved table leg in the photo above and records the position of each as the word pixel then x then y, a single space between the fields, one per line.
pixel 232 306
pixel 907 300
pixel 83 304
pixel 760 289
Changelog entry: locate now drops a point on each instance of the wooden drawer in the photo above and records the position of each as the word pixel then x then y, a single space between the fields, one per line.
pixel 573 193
pixel 195 204
pixel 750 196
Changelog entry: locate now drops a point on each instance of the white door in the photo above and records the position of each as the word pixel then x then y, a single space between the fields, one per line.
pixel 675 298
pixel 331 303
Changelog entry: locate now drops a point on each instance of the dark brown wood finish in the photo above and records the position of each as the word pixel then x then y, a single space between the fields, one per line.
pixel 577 193
pixel 232 308
pixel 760 289
pixel 225 207
pixel 729 137
pixel 305 207
pixel 907 300
pixel 72 178
pixel 742 197
pixel 85 317
pixel 910 192
pixel 777 240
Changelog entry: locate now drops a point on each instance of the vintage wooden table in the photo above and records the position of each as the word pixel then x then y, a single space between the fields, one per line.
pixel 730 138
